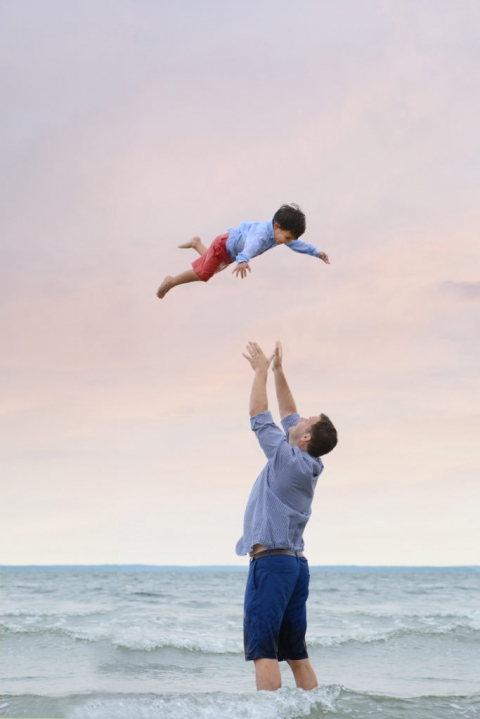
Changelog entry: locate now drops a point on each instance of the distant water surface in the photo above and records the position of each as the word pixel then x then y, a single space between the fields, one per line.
pixel 119 644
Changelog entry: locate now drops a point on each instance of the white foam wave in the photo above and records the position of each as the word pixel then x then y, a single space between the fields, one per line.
pixel 283 704
pixel 472 615
pixel 204 644
pixel 387 635
pixel 93 634
pixel 135 639
pixel 146 637
pixel 324 701
pixel 30 616
pixel 142 639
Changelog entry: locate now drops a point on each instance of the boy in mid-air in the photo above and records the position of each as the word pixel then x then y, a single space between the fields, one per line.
pixel 241 244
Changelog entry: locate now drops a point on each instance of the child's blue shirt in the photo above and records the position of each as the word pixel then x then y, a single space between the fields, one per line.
pixel 255 238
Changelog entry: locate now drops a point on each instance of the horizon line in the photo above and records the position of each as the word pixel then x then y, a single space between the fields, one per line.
pixel 236 567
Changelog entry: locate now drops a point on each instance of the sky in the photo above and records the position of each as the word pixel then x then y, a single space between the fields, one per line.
pixel 130 126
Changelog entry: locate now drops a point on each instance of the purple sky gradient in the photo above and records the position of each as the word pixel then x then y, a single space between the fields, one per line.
pixel 131 126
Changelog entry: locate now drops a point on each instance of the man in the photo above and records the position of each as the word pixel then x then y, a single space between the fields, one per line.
pixel 277 512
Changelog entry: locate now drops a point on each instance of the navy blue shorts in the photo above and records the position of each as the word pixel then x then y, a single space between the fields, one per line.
pixel 275 619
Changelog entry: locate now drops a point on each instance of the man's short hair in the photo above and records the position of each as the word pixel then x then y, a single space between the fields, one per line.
pixel 291 218
pixel 323 437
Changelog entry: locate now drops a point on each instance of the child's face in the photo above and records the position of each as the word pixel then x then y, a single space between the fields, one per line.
pixel 282 237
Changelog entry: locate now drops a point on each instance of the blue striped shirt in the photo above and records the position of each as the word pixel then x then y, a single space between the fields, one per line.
pixel 279 505
pixel 255 238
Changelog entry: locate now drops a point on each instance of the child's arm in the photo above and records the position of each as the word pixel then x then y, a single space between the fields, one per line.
pixel 256 242
pixel 241 269
pixel 306 249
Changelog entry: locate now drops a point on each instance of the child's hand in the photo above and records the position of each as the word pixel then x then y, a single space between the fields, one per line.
pixel 277 356
pixel 241 269
pixel 323 256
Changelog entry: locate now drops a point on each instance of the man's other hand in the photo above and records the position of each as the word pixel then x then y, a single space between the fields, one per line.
pixel 257 358
pixel 323 256
pixel 277 356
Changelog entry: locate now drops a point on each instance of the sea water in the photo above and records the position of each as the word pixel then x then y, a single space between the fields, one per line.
pixel 122 643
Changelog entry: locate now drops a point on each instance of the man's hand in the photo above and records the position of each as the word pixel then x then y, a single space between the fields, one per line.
pixel 323 256
pixel 257 358
pixel 286 403
pixel 260 364
pixel 241 269
pixel 277 357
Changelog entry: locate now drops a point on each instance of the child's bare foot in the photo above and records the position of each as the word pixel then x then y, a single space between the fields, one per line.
pixel 196 244
pixel 192 244
pixel 165 287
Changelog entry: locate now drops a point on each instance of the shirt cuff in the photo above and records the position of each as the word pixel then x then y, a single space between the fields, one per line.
pixel 260 419
pixel 291 420
pixel 242 257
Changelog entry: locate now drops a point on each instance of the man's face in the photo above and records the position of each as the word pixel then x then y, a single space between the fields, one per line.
pixel 302 428
pixel 282 237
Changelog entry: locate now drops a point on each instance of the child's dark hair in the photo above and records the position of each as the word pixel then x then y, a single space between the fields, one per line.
pixel 323 437
pixel 290 217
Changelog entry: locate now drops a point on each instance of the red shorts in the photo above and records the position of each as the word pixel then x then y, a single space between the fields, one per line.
pixel 215 259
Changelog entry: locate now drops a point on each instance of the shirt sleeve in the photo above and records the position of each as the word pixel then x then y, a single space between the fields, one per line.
pixel 292 470
pixel 269 435
pixel 291 420
pixel 256 243
pixel 303 247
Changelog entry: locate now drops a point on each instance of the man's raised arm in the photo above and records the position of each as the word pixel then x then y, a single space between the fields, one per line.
pixel 286 403
pixel 260 364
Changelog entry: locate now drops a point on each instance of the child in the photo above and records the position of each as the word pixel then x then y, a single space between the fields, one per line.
pixel 241 244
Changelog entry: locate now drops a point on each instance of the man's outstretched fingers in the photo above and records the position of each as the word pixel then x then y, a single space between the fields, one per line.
pixel 257 357
pixel 256 349
pixel 251 352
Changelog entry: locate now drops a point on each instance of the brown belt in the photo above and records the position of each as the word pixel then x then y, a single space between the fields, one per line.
pixel 266 552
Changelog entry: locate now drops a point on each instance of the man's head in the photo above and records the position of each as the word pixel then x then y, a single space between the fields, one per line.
pixel 315 435
pixel 288 224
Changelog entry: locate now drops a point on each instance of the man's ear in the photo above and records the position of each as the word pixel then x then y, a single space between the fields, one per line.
pixel 306 438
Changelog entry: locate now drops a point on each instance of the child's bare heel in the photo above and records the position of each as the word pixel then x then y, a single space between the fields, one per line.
pixel 164 287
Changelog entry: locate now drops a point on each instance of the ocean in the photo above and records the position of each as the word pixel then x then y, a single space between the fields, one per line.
pixel 153 643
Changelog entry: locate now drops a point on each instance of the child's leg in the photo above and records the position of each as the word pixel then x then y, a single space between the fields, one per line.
pixel 195 244
pixel 182 279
